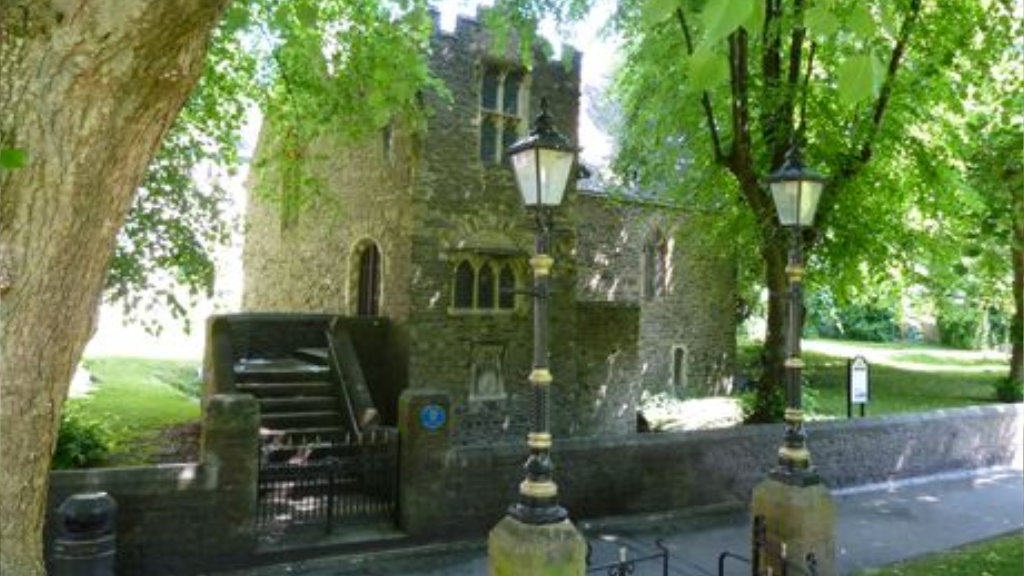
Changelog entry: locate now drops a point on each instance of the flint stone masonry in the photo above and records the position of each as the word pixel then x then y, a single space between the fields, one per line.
pixel 431 203
pixel 181 518
pixel 471 486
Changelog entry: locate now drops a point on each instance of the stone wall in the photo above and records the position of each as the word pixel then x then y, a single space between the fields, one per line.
pixel 310 264
pixel 608 368
pixel 469 488
pixel 181 518
pixel 693 312
pixel 694 317
pixel 470 209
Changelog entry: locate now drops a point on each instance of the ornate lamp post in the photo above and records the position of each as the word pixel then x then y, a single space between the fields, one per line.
pixel 542 162
pixel 537 537
pixel 794 515
pixel 796 190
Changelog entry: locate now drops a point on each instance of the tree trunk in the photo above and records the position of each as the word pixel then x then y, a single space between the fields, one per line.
pixel 771 389
pixel 89 88
pixel 1017 326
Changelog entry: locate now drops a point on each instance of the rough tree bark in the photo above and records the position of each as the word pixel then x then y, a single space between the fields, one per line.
pixel 1017 254
pixel 88 89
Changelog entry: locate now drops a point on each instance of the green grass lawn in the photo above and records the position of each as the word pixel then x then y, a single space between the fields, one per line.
pixel 939 382
pixel 137 399
pixel 939 360
pixel 895 389
pixel 999 557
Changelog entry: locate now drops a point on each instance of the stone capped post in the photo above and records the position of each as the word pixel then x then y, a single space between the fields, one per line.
pixel 230 453
pixel 424 432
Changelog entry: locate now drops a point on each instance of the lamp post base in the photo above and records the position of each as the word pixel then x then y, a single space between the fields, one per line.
pixel 515 548
pixel 798 519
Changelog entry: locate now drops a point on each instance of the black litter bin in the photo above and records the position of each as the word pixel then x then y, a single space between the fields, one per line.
pixel 86 544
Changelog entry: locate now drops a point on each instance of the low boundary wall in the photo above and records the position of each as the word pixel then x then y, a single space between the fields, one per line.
pixel 466 489
pixel 181 518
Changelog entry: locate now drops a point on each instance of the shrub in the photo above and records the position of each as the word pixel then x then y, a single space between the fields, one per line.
pixel 758 409
pixel 81 442
pixel 959 327
pixel 762 407
pixel 1009 390
pixel 866 322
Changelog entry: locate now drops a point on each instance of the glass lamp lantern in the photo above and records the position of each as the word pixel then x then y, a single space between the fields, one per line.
pixel 796 190
pixel 542 162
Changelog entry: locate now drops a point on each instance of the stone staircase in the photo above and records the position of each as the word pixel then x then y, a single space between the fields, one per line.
pixel 302 417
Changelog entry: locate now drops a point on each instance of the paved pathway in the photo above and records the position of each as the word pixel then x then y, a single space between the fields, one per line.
pixel 877 525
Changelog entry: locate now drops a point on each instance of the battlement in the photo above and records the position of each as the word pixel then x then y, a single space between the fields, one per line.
pixel 474 29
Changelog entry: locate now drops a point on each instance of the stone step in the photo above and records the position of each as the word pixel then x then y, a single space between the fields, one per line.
pixel 274 404
pixel 318 356
pixel 291 420
pixel 279 370
pixel 297 437
pixel 262 390
pixel 307 453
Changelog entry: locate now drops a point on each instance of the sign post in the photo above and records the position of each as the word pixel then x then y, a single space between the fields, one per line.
pixel 857 385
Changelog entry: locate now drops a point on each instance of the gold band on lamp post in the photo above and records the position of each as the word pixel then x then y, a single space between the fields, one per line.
pixel 538 440
pixel 541 377
pixel 531 489
pixel 542 264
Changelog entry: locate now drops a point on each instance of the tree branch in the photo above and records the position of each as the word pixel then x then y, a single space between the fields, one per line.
pixel 771 71
pixel 886 92
pixel 741 159
pixel 716 143
pixel 788 103
pixel 738 73
pixel 858 159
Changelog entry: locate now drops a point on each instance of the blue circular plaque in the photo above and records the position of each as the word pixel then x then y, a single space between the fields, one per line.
pixel 432 417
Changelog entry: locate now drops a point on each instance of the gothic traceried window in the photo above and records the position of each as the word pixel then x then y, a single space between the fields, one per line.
pixel 488 137
pixel 510 103
pixel 501 113
pixel 465 279
pixel 506 287
pixel 485 290
pixel 484 283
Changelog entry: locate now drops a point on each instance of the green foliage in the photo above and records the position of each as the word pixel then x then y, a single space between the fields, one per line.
pixel 871 322
pixel 764 407
pixel 860 78
pixel 83 441
pixel 1009 390
pixel 11 158
pixel 959 327
pixel 721 18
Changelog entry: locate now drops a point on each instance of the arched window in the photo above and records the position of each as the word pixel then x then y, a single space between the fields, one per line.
pixel 655 265
pixel 485 293
pixel 368 298
pixel 464 280
pixel 679 367
pixel 506 288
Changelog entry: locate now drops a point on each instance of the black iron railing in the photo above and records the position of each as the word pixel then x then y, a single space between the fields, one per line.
pixel 614 556
pixel 770 553
pixel 347 480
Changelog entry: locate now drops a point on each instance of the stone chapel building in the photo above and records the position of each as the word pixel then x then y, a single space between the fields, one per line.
pixel 429 232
